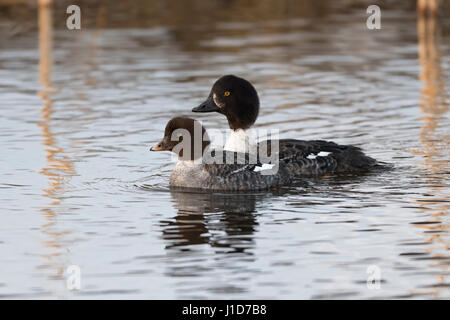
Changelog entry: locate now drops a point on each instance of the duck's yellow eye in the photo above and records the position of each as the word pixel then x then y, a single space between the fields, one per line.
pixel 227 93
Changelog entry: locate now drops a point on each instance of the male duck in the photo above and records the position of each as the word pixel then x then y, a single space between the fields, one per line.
pixel 238 101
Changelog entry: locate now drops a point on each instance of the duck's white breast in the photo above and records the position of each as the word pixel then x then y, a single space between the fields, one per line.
pixel 188 174
pixel 241 141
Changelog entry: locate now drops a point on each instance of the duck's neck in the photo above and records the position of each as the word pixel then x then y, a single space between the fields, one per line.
pixel 241 140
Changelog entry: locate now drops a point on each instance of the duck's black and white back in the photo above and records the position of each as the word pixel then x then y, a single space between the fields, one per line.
pixel 317 157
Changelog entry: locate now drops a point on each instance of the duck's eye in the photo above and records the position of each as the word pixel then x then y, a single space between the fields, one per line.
pixel 227 93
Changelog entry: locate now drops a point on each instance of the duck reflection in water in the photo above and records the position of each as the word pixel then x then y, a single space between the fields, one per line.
pixel 228 220
pixel 221 220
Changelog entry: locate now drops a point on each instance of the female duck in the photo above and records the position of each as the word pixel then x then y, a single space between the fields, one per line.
pixel 197 166
pixel 238 101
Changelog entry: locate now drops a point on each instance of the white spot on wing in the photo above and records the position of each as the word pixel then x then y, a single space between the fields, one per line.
pixel 265 166
pixel 238 170
pixel 320 154
pixel 323 154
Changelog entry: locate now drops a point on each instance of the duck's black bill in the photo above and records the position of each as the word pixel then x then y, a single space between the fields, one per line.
pixel 207 106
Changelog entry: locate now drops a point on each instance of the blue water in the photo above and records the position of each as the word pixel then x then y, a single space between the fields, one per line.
pixel 80 110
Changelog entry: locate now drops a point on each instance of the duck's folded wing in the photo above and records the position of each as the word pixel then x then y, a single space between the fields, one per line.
pixel 317 156
pixel 239 171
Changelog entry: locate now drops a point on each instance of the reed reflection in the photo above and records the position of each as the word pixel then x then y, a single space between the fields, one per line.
pixel 55 166
pixel 435 144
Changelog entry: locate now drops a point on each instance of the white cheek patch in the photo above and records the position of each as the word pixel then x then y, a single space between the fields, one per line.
pixel 265 166
pixel 320 154
pixel 216 101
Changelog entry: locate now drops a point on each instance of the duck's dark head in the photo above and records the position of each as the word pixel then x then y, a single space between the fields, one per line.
pixel 184 136
pixel 235 98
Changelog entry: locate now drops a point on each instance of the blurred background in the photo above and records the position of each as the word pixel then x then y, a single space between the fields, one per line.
pixel 80 109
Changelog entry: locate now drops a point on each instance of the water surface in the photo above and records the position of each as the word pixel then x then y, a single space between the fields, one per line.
pixel 80 110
